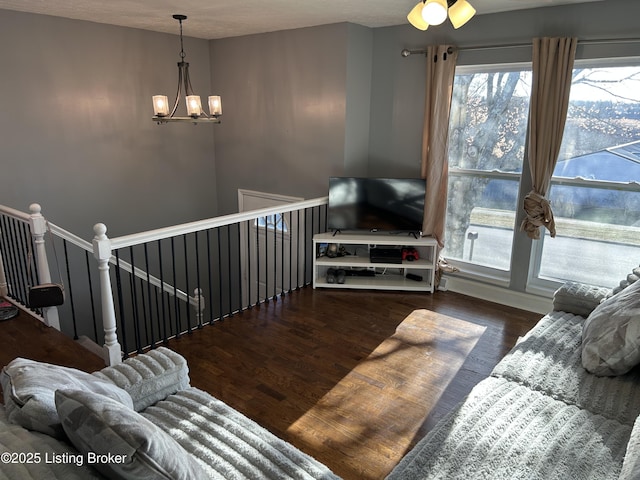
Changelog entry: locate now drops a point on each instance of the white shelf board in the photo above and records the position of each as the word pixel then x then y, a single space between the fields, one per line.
pixel 379 282
pixel 361 262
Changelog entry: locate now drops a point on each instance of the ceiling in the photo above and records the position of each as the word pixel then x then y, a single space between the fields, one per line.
pixel 210 19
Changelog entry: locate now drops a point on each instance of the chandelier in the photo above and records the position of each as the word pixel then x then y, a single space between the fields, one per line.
pixel 435 12
pixel 195 113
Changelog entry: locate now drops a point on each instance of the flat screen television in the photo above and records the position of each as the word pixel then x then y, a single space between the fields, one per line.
pixel 376 204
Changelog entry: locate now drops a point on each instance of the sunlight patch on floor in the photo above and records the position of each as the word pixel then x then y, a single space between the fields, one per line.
pixel 394 388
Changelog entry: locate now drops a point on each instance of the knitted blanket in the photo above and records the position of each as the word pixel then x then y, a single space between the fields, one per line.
pixel 548 359
pixel 508 431
pixel 228 444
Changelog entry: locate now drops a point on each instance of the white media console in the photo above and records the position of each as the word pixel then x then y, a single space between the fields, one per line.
pixel 363 273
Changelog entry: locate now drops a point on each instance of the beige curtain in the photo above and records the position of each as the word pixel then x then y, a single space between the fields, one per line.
pixel 441 65
pixel 552 68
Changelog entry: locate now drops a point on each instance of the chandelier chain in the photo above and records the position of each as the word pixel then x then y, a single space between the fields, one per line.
pixel 182 54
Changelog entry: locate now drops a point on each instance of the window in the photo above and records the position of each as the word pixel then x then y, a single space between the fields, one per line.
pixel 487 134
pixel 272 222
pixel 597 209
pixel 595 191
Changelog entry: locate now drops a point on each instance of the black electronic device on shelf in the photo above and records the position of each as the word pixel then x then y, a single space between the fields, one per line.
pixel 385 255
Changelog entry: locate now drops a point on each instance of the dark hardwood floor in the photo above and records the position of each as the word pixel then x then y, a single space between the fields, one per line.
pixel 354 378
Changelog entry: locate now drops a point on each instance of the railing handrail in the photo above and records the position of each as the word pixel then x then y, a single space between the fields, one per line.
pixel 126 266
pixel 175 230
pixel 17 214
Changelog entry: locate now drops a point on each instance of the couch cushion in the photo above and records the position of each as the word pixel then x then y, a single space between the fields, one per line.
pixel 579 298
pixel 506 431
pixel 149 377
pixel 29 388
pixel 230 444
pixel 611 334
pixel 548 359
pixel 33 455
pixel 134 447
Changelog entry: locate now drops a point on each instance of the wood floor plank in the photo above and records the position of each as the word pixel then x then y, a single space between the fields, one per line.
pixel 25 336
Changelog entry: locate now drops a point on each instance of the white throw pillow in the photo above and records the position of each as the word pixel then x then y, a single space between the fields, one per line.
pixel 121 443
pixel 611 334
pixel 29 387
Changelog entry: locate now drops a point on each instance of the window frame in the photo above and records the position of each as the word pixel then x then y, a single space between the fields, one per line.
pixel 544 286
pixel 492 275
pixel 531 281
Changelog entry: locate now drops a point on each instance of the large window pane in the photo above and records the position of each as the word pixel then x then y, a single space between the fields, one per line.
pixel 488 236
pixel 599 242
pixel 487 132
pixel 597 228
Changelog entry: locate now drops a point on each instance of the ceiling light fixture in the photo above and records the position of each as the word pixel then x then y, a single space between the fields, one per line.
pixel 192 101
pixel 435 12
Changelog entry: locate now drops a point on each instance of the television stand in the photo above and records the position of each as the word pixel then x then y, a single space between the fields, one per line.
pixel 416 275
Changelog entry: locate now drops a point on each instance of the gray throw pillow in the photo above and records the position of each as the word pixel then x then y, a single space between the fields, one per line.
pixel 120 441
pixel 29 389
pixel 611 334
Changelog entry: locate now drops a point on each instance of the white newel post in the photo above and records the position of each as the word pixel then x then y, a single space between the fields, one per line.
pixel 102 253
pixel 38 230
pixel 198 304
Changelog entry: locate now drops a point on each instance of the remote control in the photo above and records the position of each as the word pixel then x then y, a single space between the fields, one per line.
pixel 413 276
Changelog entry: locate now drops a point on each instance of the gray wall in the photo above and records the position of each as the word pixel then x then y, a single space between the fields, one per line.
pixel 76 130
pixel 284 100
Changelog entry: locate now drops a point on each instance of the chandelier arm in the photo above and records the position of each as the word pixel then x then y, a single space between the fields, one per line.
pixel 188 88
pixel 178 92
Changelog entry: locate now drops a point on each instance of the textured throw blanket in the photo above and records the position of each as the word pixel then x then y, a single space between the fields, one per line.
pixel 228 444
pixel 548 359
pixel 508 431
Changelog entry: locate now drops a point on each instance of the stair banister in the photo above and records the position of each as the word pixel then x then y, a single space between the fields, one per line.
pixel 38 226
pixel 102 253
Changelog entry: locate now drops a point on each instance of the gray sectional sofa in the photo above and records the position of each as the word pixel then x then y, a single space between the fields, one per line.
pixel 541 414
pixel 137 420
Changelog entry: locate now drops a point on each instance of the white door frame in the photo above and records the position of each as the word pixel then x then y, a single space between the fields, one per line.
pixel 253 200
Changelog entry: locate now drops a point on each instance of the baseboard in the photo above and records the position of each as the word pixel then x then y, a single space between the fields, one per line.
pixel 501 295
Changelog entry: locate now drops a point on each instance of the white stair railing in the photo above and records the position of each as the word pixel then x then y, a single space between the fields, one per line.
pixel 105 251
pixel 37 225
pixel 104 248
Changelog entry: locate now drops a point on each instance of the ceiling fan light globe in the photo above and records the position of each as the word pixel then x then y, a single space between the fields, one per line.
pixel 460 13
pixel 434 12
pixel 415 17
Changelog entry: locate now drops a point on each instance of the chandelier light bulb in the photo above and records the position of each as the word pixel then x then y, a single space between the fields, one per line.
pixel 434 12
pixel 194 106
pixel 160 105
pixel 215 106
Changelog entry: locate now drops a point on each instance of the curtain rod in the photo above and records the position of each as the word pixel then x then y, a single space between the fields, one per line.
pixel 610 41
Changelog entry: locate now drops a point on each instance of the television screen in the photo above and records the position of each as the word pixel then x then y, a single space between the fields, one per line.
pixel 376 204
